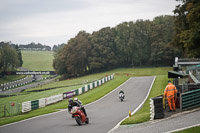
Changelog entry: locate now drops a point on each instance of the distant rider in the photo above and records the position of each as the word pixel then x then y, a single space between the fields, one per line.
pixel 121 91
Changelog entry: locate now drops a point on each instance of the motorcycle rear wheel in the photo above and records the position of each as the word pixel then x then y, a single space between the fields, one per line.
pixel 87 120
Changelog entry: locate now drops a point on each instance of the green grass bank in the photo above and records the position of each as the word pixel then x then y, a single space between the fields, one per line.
pixel 38 60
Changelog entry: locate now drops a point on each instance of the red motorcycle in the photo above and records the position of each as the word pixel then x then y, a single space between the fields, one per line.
pixel 79 116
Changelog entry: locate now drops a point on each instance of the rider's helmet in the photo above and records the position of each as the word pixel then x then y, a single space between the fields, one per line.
pixel 70 100
pixel 75 99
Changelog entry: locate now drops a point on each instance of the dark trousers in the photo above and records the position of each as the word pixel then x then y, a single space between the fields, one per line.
pixel 82 108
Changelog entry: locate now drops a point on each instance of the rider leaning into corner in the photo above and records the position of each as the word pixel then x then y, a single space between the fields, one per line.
pixel 77 103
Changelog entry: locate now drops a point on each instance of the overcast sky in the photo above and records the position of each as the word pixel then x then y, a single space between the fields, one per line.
pixel 51 22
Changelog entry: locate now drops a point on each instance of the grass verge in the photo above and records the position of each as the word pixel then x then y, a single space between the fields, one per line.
pixel 190 130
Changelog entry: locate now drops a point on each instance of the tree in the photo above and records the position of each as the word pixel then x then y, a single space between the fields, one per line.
pixel 9 57
pixel 141 45
pixel 187 25
pixel 72 60
pixel 128 44
pixel 162 33
pixel 102 56
pixel 19 55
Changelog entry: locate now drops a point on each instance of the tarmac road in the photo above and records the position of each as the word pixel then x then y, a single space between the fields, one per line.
pixel 103 114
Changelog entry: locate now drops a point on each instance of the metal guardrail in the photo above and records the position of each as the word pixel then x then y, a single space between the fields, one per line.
pixel 190 99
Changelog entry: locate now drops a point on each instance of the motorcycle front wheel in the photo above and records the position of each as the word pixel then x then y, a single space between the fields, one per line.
pixel 78 120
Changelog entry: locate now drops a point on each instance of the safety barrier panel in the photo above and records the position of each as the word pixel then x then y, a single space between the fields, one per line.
pixel 42 102
pixel 190 99
pixel 30 105
pixel 91 87
pixel 54 99
pixel 86 88
pixel 26 106
pixel 79 91
pixel 70 94
pixel 34 104
pixel 13 84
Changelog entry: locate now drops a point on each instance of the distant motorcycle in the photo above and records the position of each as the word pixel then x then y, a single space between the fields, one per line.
pixel 121 96
pixel 79 116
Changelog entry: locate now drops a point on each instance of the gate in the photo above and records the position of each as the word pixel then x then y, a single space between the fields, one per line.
pixel 10 109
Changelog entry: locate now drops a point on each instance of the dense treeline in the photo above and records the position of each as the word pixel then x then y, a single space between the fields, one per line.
pixel 129 44
pixel 187 27
pixel 34 46
pixel 10 56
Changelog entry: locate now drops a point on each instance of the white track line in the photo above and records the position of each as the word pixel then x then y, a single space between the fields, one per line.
pixel 64 109
pixel 112 130
pixel 183 128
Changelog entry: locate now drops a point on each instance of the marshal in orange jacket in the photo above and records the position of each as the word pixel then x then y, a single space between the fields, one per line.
pixel 170 90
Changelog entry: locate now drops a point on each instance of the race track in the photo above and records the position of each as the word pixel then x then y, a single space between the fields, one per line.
pixel 103 114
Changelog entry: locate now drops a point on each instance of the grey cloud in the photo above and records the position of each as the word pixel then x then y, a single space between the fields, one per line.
pixel 24 8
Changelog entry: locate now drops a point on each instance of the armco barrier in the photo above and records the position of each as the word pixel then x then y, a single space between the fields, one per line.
pixel 91 86
pixel 102 81
pixel 26 106
pixel 54 99
pixel 80 91
pixel 42 102
pixel 76 92
pixel 13 84
pixel 30 105
pixel 83 89
pixel 69 94
pixel 34 104
pixel 190 99
pixel 86 88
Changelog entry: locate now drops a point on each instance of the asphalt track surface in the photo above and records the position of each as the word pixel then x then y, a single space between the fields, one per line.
pixel 103 114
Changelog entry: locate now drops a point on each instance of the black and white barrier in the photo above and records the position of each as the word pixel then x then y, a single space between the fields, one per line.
pixel 156 108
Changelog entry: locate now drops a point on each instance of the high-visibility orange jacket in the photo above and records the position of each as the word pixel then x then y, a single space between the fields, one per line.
pixel 170 90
